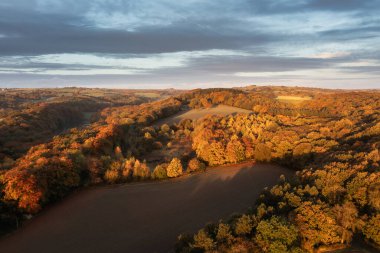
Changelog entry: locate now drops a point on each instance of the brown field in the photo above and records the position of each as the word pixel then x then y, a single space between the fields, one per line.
pixel 195 114
pixel 142 217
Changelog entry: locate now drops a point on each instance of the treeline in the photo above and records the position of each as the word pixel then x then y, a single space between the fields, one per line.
pixel 22 129
pixel 334 197
pixel 29 117
pixel 50 171
pixel 143 114
pixel 282 139
pixel 23 98
pixel 257 102
pixel 336 150
pixel 324 104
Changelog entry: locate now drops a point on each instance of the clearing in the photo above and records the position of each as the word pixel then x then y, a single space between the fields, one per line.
pixel 143 217
pixel 195 114
pixel 293 99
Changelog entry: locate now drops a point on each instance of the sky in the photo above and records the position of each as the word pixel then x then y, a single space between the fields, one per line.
pixel 189 43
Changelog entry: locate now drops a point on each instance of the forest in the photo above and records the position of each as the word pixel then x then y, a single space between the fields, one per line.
pixel 53 143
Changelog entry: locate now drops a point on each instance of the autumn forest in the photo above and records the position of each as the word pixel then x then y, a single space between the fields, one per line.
pixel 55 143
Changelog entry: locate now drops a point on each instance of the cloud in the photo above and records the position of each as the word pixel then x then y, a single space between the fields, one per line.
pixel 50 38
pixel 83 64
pixel 346 5
pixel 330 55
pixel 177 42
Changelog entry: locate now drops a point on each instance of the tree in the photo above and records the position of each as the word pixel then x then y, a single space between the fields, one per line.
pixel 165 128
pixel 95 170
pixel 224 234
pixel 175 168
pixel 159 172
pixel 203 241
pixel 372 229
pixel 127 171
pixel 373 195
pixel 244 225
pixel 118 153
pixel 275 234
pixel 248 146
pixel 215 154
pixel 113 174
pixel 235 151
pixel 302 149
pixel 301 154
pixel 195 165
pixel 357 188
pixel 316 226
pixel 24 188
pixel 262 153
pixel 140 171
pixel 346 216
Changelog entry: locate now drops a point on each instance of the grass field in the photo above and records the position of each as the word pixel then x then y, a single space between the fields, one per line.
pixel 195 114
pixel 143 217
pixel 293 99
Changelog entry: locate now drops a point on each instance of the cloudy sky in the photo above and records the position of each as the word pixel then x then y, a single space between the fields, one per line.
pixel 189 43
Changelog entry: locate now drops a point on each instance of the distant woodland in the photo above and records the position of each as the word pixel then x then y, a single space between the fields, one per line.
pixel 53 142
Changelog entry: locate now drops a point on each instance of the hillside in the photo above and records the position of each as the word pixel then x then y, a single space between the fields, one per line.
pixel 331 139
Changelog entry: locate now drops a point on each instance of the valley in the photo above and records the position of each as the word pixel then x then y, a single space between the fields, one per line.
pixel 190 171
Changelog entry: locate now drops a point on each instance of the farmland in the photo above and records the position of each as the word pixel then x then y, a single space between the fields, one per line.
pixel 293 99
pixel 195 114
pixel 125 217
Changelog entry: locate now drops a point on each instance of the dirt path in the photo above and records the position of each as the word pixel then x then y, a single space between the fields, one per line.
pixel 142 217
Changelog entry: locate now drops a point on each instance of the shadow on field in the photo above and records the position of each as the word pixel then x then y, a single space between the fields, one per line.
pixel 143 217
